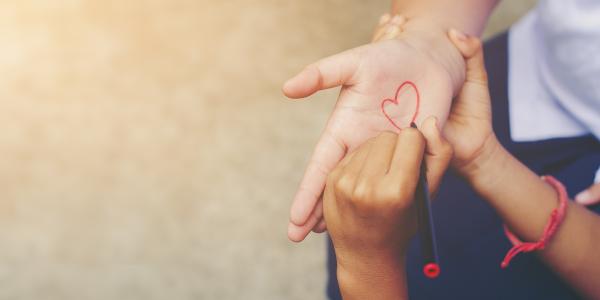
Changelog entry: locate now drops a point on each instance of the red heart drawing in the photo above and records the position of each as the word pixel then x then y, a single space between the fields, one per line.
pixel 394 101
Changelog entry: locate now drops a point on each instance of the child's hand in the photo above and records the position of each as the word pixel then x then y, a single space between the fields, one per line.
pixel 469 125
pixel 420 53
pixel 368 197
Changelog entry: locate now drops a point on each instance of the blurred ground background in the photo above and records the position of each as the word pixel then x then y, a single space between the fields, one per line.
pixel 146 151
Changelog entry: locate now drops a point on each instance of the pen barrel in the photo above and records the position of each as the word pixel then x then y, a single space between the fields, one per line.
pixel 425 221
pixel 431 268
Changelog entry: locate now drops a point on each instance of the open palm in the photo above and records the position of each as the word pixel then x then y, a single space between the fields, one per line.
pixel 368 75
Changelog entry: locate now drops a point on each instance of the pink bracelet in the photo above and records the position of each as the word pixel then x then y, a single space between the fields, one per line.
pixel 556 218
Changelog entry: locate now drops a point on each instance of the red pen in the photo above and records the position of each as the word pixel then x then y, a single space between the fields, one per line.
pixel 431 268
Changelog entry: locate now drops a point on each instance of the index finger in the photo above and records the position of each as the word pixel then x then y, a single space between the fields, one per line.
pixel 408 155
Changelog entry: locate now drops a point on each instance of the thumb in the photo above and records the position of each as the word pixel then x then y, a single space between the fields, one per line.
pixel 438 153
pixel 471 49
pixel 590 196
pixel 326 73
pixel 473 100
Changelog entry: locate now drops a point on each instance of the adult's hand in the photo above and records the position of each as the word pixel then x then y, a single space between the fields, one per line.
pixel 419 52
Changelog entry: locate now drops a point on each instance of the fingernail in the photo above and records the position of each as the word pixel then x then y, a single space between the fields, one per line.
pixel 583 197
pixel 458 34
pixel 384 18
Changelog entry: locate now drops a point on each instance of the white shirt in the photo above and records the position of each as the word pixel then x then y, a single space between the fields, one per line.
pixel 554 71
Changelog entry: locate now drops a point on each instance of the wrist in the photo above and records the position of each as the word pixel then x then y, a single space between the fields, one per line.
pixel 366 261
pixel 381 277
pixel 483 168
pixel 430 37
pixel 467 16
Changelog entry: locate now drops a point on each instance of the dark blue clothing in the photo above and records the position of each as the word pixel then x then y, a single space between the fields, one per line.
pixel 470 237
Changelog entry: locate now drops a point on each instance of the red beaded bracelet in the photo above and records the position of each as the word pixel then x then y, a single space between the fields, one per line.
pixel 556 218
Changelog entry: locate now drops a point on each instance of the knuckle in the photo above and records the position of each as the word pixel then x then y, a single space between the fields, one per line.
pixel 404 192
pixel 344 185
pixel 362 191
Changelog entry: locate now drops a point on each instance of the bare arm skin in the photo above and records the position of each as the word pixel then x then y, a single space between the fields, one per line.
pixel 469 16
pixel 525 203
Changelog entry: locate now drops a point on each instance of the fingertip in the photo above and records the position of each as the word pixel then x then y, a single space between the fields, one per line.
pixel 431 124
pixel 320 227
pixel 411 131
pixel 459 39
pixel 457 36
pixel 413 136
pixel 303 84
pixel 296 233
pixel 471 48
pixel 305 207
pixel 391 31
pixel 286 89
pixel 431 131
pixel 584 198
pixel 398 20
pixel 477 44
pixel 384 18
pixel 298 213
pixel 437 144
pixel 467 45
pixel 475 51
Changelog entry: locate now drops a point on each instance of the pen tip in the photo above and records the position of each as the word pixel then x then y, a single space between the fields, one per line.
pixel 431 270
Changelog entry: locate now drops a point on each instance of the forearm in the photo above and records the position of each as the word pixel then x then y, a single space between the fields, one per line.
pixel 470 16
pixel 525 203
pixel 378 278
